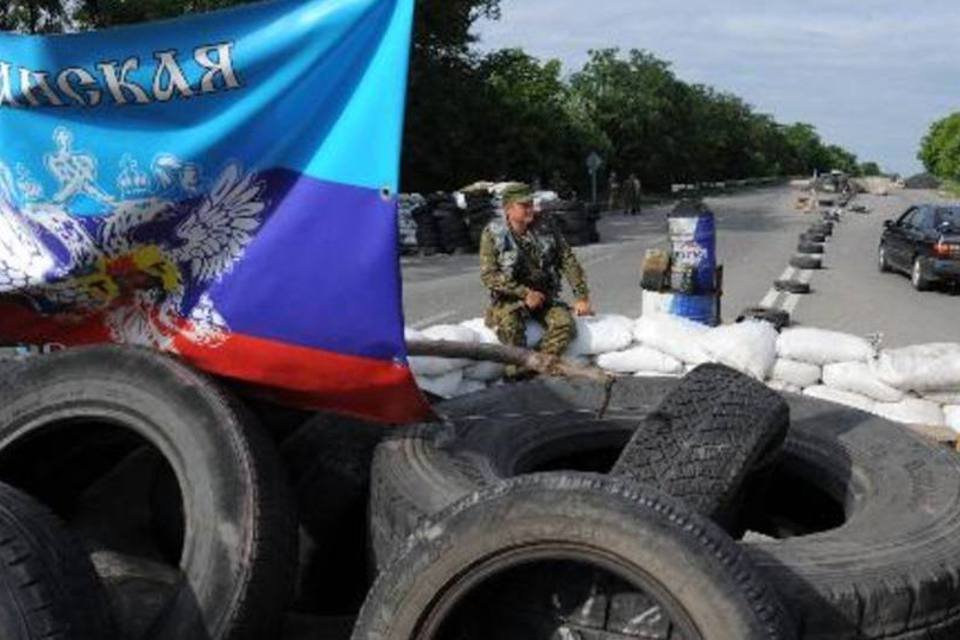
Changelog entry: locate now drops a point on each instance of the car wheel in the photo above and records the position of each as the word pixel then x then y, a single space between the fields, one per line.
pixel 917 279
pixel 882 259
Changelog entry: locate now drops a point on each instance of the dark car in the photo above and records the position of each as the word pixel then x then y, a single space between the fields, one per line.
pixel 925 244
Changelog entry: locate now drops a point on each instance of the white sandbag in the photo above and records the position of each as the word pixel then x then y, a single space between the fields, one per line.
pixel 484 372
pixel 674 336
pixel 452 333
pixel 654 374
pixel 858 377
pixel 412 334
pixel 943 397
pixel 444 386
pixel 784 387
pixel 433 367
pixel 534 333
pixel 485 335
pixel 818 346
pixel 602 334
pixel 638 359
pixel 911 411
pixel 926 367
pixel 749 347
pixel 796 374
pixel 837 396
pixel 952 415
pixel 466 387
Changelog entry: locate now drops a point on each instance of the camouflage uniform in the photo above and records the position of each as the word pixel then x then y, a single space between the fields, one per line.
pixel 510 266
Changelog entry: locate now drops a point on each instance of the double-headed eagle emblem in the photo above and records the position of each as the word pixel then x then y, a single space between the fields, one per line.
pixel 146 264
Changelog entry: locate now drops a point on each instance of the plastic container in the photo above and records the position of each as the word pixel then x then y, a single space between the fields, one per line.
pixel 693 245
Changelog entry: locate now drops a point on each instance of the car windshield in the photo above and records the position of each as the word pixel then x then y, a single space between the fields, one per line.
pixel 949 217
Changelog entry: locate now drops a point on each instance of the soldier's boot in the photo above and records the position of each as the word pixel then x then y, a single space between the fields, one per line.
pixel 561 330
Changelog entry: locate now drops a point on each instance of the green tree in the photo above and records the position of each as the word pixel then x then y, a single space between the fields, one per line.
pixel 33 16
pixel 940 148
pixel 870 169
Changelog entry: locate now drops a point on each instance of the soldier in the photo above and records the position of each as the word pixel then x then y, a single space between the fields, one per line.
pixel 522 260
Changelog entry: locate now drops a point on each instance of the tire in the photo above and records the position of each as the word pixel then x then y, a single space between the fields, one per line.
pixel 457 566
pixel 779 318
pixel 62 413
pixel 792 286
pixel 503 432
pixel 888 569
pixel 917 277
pixel 825 228
pixel 810 247
pixel 809 236
pixel 705 438
pixel 806 262
pixel 882 264
pixel 328 460
pixel 48 589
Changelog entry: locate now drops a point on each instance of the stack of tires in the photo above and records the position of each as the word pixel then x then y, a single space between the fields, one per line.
pixel 535 516
pixel 173 514
pixel 482 207
pixel 454 235
pixel 429 239
pixel 577 222
pixel 407 208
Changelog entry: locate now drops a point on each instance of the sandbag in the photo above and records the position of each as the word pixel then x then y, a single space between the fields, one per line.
pixel 818 346
pixel 639 359
pixel 952 415
pixel 837 396
pixel 484 371
pixel 430 367
pixel 858 377
pixel 796 374
pixel 466 387
pixel 602 334
pixel 444 385
pixel 911 411
pixel 926 367
pixel 678 337
pixel 784 387
pixel 943 397
pixel 749 347
pixel 485 334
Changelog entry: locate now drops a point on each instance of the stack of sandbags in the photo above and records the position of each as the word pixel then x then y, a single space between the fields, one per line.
pixel 915 385
pixel 406 221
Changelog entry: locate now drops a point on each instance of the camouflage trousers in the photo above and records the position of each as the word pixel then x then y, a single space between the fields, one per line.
pixel 509 321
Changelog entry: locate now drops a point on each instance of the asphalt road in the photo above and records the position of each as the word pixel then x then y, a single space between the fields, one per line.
pixel 757 234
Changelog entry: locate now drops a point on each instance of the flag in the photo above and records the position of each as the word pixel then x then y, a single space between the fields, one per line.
pixel 222 187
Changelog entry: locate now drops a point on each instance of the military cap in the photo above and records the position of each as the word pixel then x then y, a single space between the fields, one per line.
pixel 517 193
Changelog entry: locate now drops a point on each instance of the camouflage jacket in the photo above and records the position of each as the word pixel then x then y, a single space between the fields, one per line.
pixel 512 265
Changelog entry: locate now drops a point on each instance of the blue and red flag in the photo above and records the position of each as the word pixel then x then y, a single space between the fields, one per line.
pixel 222 187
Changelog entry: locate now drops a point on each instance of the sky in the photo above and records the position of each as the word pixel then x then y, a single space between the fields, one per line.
pixel 871 75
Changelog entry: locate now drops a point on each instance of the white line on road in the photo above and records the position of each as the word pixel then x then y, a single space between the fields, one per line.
pixel 806 276
pixel 426 322
pixel 770 299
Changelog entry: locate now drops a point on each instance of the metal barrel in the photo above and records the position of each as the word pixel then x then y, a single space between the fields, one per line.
pixel 693 245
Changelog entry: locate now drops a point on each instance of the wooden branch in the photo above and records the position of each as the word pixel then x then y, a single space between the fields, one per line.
pixel 541 363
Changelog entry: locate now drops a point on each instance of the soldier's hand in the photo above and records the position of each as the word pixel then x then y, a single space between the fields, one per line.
pixel 534 300
pixel 583 307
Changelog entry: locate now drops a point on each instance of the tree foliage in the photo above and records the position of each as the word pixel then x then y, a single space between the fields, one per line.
pixel 508 115
pixel 940 148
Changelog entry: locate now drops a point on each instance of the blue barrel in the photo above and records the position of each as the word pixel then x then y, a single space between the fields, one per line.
pixel 699 308
pixel 693 245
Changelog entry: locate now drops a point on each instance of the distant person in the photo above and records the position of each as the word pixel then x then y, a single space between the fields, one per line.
pixel 634 195
pixel 522 260
pixel 614 195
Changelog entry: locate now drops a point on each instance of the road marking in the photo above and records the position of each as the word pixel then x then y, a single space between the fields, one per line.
pixel 426 322
pixel 806 276
pixel 770 299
